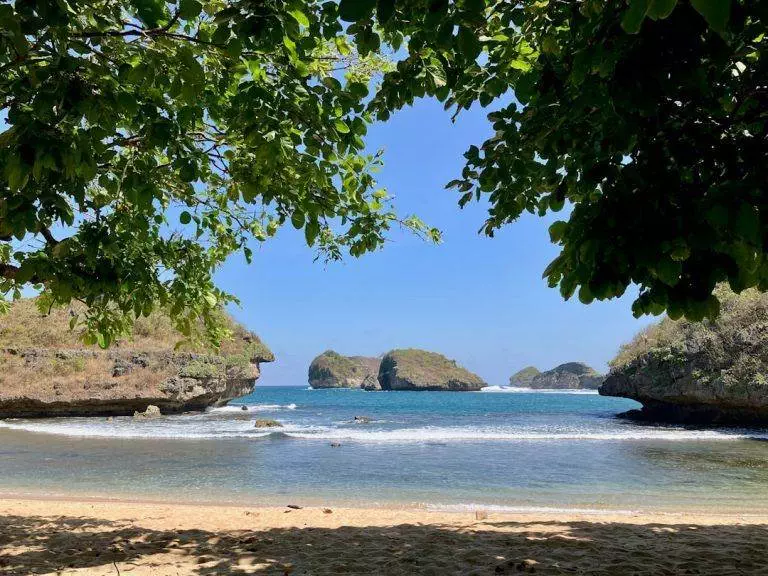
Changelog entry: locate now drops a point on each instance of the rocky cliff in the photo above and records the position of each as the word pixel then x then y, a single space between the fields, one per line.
pixel 45 371
pixel 568 376
pixel 421 370
pixel 713 372
pixel 332 370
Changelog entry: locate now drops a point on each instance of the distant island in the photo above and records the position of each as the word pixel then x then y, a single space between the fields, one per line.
pixel 46 371
pixel 568 376
pixel 405 369
pixel 332 370
pixel 709 372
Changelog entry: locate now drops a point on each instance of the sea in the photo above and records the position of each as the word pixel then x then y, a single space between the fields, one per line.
pixel 500 449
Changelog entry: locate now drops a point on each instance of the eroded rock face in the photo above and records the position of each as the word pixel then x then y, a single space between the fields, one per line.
pixel 413 369
pixel 711 372
pixel 332 370
pixel 568 376
pixel 40 382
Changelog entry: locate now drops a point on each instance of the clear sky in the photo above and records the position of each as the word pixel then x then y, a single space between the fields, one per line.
pixel 479 300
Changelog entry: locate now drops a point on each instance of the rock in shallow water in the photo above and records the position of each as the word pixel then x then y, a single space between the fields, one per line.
pixel 267 423
pixel 150 412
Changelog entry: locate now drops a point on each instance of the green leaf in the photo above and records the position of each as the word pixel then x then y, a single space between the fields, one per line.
pixel 668 271
pixel 311 230
pixel 150 11
pixel 660 9
pixel 634 16
pixel 185 217
pixel 557 231
pixel 299 16
pixel 437 72
pixel 297 219
pixel 748 223
pixel 341 126
pixel 385 9
pixel 189 9
pixel 715 12
pixel 355 10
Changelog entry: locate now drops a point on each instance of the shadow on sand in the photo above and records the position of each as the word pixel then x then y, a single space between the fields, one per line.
pixel 69 545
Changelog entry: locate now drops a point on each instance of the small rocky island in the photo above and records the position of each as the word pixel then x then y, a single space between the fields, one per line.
pixel 412 369
pixel 710 372
pixel 408 369
pixel 332 370
pixel 568 376
pixel 46 371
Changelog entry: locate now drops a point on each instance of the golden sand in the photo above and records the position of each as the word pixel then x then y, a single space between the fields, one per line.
pixel 111 538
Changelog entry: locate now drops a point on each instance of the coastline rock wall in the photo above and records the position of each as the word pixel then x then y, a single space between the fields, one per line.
pixel 332 370
pixel 711 372
pixel 413 369
pixel 46 370
pixel 38 382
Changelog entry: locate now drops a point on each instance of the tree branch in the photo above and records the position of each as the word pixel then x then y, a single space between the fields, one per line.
pixel 8 271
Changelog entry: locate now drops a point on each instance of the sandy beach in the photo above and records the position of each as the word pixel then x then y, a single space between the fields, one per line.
pixel 109 538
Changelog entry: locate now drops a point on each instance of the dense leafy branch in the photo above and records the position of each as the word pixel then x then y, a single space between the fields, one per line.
pixel 162 137
pixel 647 118
pixel 158 138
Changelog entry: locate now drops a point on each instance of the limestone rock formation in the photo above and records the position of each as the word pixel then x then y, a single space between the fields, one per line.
pixel 267 423
pixel 332 370
pixel 45 371
pixel 523 378
pixel 568 376
pixel 412 369
pixel 711 372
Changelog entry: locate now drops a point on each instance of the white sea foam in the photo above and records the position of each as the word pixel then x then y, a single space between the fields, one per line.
pixel 204 426
pixel 463 434
pixel 87 430
pixel 519 390
pixel 253 408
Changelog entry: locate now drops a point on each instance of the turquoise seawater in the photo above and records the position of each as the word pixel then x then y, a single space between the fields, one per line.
pixel 496 448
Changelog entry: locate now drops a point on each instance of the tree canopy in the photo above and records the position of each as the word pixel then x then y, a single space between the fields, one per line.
pixel 146 141
pixel 647 118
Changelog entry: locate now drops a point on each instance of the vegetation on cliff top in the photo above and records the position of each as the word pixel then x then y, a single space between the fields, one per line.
pixel 421 366
pixel 27 326
pixel 738 312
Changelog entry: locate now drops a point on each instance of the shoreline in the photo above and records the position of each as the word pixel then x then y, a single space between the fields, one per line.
pixel 455 510
pixel 90 538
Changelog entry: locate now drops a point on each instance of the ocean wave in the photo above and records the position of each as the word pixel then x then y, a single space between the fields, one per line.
pixel 253 408
pixel 126 431
pixel 457 434
pixel 519 390
pixel 201 428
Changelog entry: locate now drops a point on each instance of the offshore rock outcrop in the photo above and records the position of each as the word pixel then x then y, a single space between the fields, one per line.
pixel 413 369
pixel 332 370
pixel 523 378
pixel 711 372
pixel 568 376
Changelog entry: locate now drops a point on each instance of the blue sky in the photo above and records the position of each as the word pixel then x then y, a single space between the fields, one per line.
pixel 481 301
